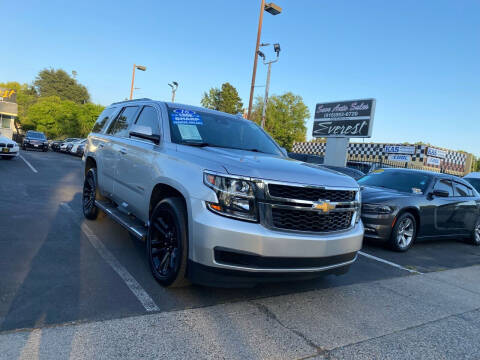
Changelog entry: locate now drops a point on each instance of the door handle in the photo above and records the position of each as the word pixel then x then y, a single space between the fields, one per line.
pixel 122 151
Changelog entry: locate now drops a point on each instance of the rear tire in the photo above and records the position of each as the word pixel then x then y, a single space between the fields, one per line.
pixel 167 243
pixel 403 233
pixel 475 239
pixel 90 194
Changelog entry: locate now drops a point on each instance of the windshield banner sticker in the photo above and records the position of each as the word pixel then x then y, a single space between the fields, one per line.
pixel 186 117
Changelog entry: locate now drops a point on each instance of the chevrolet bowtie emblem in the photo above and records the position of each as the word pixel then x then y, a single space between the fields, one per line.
pixel 324 206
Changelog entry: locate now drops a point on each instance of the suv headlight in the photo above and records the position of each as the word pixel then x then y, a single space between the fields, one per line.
pixel 358 206
pixel 377 209
pixel 236 197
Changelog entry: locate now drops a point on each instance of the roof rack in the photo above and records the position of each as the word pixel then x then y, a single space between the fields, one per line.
pixel 124 101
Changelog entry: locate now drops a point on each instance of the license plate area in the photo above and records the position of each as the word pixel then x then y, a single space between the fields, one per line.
pixel 5 150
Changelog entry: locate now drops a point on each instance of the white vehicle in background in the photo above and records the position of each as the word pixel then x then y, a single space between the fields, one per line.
pixel 75 146
pixel 8 148
pixel 64 146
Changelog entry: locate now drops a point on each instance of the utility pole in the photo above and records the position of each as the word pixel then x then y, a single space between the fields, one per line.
pixel 274 10
pixel 174 86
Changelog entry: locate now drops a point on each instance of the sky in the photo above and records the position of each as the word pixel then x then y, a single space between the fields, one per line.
pixel 418 59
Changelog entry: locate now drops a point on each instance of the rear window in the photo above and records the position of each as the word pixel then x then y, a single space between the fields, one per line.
pixel 475 183
pixel 102 120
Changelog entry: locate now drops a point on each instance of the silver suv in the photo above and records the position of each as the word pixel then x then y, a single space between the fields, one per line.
pixel 217 201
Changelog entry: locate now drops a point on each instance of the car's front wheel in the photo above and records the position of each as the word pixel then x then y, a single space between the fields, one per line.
pixel 167 243
pixel 90 194
pixel 476 234
pixel 404 232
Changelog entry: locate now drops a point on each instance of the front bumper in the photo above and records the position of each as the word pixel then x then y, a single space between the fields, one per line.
pixel 378 226
pixel 12 152
pixel 210 233
pixel 35 146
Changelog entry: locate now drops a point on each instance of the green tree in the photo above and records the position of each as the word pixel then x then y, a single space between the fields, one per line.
pixel 285 118
pixel 63 118
pixel 51 82
pixel 225 99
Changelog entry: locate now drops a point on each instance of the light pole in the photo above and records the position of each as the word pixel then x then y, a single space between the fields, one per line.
pixel 274 10
pixel 139 67
pixel 174 86
pixel 276 47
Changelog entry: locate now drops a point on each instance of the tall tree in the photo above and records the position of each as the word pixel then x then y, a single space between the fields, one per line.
pixel 225 99
pixel 51 82
pixel 285 118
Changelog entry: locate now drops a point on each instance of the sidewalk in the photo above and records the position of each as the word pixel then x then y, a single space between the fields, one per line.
pixel 432 316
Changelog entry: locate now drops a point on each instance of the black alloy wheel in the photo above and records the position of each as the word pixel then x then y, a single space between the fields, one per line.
pixel 90 211
pixel 404 232
pixel 167 246
pixel 476 234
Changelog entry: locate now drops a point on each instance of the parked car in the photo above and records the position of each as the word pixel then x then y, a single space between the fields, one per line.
pixel 80 150
pixel 35 140
pixel 474 179
pixel 64 145
pixel 75 145
pixel 400 206
pixel 215 198
pixel 55 145
pixel 8 148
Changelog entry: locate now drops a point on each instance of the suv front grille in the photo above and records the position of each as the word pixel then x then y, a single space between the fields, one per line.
pixel 309 193
pixel 311 221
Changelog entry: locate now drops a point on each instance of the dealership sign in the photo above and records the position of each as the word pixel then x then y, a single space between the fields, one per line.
pixel 399 157
pixel 433 161
pixel 436 152
pixel 353 118
pixel 399 149
pixel 8 95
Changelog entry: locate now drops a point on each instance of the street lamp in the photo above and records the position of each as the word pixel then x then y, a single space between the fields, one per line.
pixel 276 48
pixel 274 10
pixel 174 86
pixel 139 67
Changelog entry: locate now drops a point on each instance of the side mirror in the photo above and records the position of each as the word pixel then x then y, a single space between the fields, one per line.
pixel 144 132
pixel 440 193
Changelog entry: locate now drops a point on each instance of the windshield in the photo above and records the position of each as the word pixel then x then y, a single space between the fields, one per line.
pixel 200 128
pixel 36 135
pixel 475 183
pixel 409 182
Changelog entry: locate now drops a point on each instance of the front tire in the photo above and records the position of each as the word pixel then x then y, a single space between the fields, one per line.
pixel 403 233
pixel 475 239
pixel 90 194
pixel 167 243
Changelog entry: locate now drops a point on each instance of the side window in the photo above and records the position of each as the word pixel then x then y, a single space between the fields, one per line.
pixel 102 120
pixel 445 185
pixel 461 190
pixel 149 117
pixel 119 126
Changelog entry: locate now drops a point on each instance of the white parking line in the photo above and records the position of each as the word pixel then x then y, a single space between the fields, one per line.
pixel 388 262
pixel 29 165
pixel 129 280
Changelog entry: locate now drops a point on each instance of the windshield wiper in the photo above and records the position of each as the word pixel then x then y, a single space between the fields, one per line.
pixel 195 143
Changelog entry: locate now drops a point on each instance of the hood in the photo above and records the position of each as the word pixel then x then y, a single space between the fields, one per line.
pixel 4 139
pixel 371 194
pixel 270 167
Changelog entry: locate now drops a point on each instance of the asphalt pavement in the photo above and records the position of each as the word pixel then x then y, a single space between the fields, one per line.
pixel 57 268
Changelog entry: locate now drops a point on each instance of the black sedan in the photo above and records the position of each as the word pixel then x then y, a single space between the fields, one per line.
pixel 35 140
pixel 400 206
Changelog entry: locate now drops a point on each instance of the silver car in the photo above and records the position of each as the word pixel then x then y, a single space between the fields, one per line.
pixel 217 201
